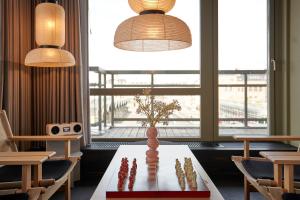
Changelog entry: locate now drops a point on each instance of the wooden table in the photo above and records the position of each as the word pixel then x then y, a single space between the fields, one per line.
pixel 287 160
pixel 166 153
pixel 27 159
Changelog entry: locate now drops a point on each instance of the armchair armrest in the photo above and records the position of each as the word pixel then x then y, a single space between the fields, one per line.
pixel 46 138
pixel 266 138
pixel 63 138
pixel 248 139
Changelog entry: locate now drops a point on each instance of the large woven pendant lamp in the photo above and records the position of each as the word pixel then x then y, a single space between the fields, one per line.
pixel 50 37
pixel 152 30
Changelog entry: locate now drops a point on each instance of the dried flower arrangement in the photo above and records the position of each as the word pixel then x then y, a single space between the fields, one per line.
pixel 159 112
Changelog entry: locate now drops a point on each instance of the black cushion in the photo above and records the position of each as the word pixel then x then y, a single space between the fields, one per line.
pixel 52 169
pixel 55 169
pixel 10 173
pixel 290 196
pixel 264 169
pixel 18 196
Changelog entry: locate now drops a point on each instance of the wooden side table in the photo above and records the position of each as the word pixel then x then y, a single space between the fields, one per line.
pixel 26 160
pixel 287 160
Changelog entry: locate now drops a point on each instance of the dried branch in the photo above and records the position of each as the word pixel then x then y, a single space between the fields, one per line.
pixel 161 111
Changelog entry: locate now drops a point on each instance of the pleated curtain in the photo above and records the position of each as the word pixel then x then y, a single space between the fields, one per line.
pixel 34 97
pixel 16 40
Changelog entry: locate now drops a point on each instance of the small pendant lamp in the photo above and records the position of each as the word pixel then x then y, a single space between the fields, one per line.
pixel 50 37
pixel 152 29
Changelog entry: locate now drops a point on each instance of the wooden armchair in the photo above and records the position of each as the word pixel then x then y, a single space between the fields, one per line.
pixel 48 174
pixel 260 173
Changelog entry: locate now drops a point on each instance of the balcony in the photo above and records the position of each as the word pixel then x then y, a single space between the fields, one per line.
pixel 242 102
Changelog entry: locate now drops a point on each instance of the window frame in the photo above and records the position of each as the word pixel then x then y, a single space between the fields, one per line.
pixel 209 86
pixel 211 38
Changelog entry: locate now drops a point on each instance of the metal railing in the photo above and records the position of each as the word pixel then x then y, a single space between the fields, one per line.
pixel 106 85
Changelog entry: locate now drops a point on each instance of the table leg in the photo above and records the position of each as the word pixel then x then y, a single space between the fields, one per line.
pixel 278 174
pixel 37 174
pixel 246 149
pixel 246 189
pixel 26 177
pixel 289 178
pixel 67 149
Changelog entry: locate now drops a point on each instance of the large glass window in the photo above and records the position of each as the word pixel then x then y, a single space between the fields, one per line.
pixel 243 79
pixel 113 71
pixel 243 61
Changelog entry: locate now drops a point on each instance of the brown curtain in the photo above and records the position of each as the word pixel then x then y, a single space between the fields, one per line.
pixel 16 37
pixel 1 58
pixel 34 97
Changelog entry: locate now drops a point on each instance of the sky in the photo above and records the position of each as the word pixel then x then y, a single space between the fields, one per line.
pixel 242 37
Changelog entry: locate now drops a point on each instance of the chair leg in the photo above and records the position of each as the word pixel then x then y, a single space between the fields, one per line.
pixel 246 189
pixel 68 188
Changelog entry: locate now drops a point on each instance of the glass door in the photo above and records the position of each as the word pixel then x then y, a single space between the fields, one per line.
pixel 243 60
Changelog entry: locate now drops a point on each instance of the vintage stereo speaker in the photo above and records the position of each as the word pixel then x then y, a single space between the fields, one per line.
pixel 64 129
pixel 58 147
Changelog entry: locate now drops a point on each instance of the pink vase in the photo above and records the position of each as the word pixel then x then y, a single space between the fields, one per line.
pixel 152 141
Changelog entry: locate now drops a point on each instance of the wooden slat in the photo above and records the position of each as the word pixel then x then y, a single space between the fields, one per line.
pixel 26 177
pixel 68 188
pixel 289 178
pixel 278 174
pixel 246 149
pixel 294 160
pixel 29 153
pixel 279 153
pixel 46 138
pixel 266 138
pixel 24 160
pixel 67 149
pixel 286 158
pixel 37 174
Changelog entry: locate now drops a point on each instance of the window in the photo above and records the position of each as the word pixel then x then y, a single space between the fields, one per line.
pixel 223 89
pixel 168 73
pixel 243 63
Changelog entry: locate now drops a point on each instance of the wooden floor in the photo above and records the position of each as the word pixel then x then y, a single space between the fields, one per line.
pixel 165 132
pixel 140 132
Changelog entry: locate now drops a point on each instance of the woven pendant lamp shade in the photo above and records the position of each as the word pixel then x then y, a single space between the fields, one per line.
pixel 49 57
pixel 139 6
pixel 50 37
pixel 50 24
pixel 152 32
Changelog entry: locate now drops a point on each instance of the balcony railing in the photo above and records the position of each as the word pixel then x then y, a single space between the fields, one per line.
pixel 113 91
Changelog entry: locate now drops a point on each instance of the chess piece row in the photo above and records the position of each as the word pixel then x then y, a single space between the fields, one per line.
pixel 132 175
pixel 190 174
pixel 180 174
pixel 123 174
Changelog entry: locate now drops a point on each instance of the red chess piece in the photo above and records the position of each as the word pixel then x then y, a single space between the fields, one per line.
pixel 132 175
